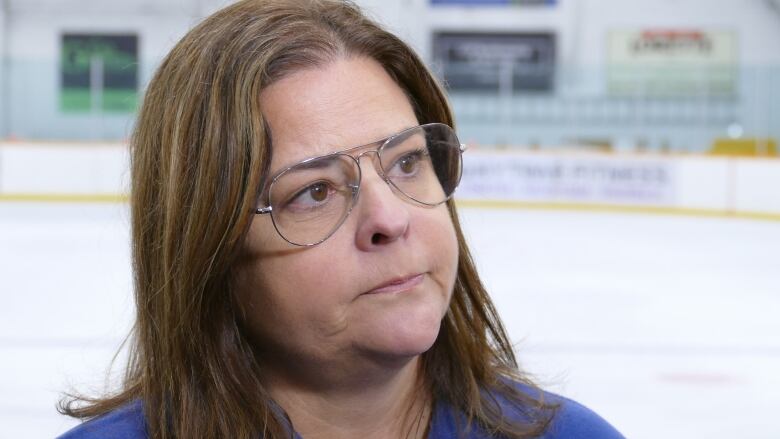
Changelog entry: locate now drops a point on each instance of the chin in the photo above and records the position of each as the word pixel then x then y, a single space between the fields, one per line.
pixel 405 339
pixel 405 327
pixel 419 344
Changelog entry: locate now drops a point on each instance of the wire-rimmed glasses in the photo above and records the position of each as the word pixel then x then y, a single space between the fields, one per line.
pixel 309 200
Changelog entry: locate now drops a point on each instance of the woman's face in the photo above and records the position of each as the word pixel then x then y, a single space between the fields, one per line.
pixel 378 288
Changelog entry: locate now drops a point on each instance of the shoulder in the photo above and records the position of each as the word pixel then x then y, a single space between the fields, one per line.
pixel 126 422
pixel 574 420
pixel 571 419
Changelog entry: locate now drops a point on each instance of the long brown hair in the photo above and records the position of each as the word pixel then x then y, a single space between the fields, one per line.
pixel 199 156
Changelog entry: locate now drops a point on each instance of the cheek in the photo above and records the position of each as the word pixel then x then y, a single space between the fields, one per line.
pixel 285 300
pixel 438 233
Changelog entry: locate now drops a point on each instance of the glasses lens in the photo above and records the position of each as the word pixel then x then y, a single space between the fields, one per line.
pixel 424 163
pixel 310 200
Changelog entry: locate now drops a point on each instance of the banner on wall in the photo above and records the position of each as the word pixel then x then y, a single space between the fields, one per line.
pixel 495 2
pixel 672 63
pixel 495 61
pixel 99 73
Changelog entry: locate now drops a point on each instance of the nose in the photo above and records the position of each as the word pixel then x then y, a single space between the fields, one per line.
pixel 382 217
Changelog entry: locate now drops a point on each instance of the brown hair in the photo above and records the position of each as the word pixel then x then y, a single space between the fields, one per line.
pixel 199 156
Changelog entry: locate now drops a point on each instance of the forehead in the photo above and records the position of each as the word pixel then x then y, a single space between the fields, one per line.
pixel 342 104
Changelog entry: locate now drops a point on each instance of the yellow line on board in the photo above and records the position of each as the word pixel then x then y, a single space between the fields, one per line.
pixel 479 204
pixel 503 204
pixel 63 198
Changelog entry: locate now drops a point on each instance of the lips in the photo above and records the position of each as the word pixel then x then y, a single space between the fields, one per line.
pixel 398 284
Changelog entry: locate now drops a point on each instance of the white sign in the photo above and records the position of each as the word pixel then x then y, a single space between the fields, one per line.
pixel 672 63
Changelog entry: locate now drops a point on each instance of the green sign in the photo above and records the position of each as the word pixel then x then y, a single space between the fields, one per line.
pixel 99 73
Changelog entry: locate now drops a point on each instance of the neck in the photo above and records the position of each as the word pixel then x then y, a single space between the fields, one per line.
pixel 381 404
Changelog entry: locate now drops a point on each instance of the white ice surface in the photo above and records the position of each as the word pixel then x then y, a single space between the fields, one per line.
pixel 666 326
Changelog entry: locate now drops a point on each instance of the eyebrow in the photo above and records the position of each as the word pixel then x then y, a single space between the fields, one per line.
pixel 315 163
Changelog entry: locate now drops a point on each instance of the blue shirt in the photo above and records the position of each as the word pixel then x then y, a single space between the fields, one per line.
pixel 573 420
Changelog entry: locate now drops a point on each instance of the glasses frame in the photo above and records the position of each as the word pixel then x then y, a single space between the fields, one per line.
pixel 349 152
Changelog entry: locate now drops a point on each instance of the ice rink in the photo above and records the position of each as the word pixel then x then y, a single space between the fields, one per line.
pixel 665 325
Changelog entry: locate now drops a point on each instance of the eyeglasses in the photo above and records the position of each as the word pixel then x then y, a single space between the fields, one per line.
pixel 308 201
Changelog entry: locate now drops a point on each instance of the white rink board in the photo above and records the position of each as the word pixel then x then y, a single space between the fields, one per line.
pixel 718 184
pixel 63 168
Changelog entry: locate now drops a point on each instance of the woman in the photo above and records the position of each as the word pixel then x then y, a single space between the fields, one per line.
pixel 299 267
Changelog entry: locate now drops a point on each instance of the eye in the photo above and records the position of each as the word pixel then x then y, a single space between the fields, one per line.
pixel 408 164
pixel 311 196
pixel 318 192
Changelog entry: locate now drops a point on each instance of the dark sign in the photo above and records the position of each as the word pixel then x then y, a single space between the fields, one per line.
pixel 496 61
